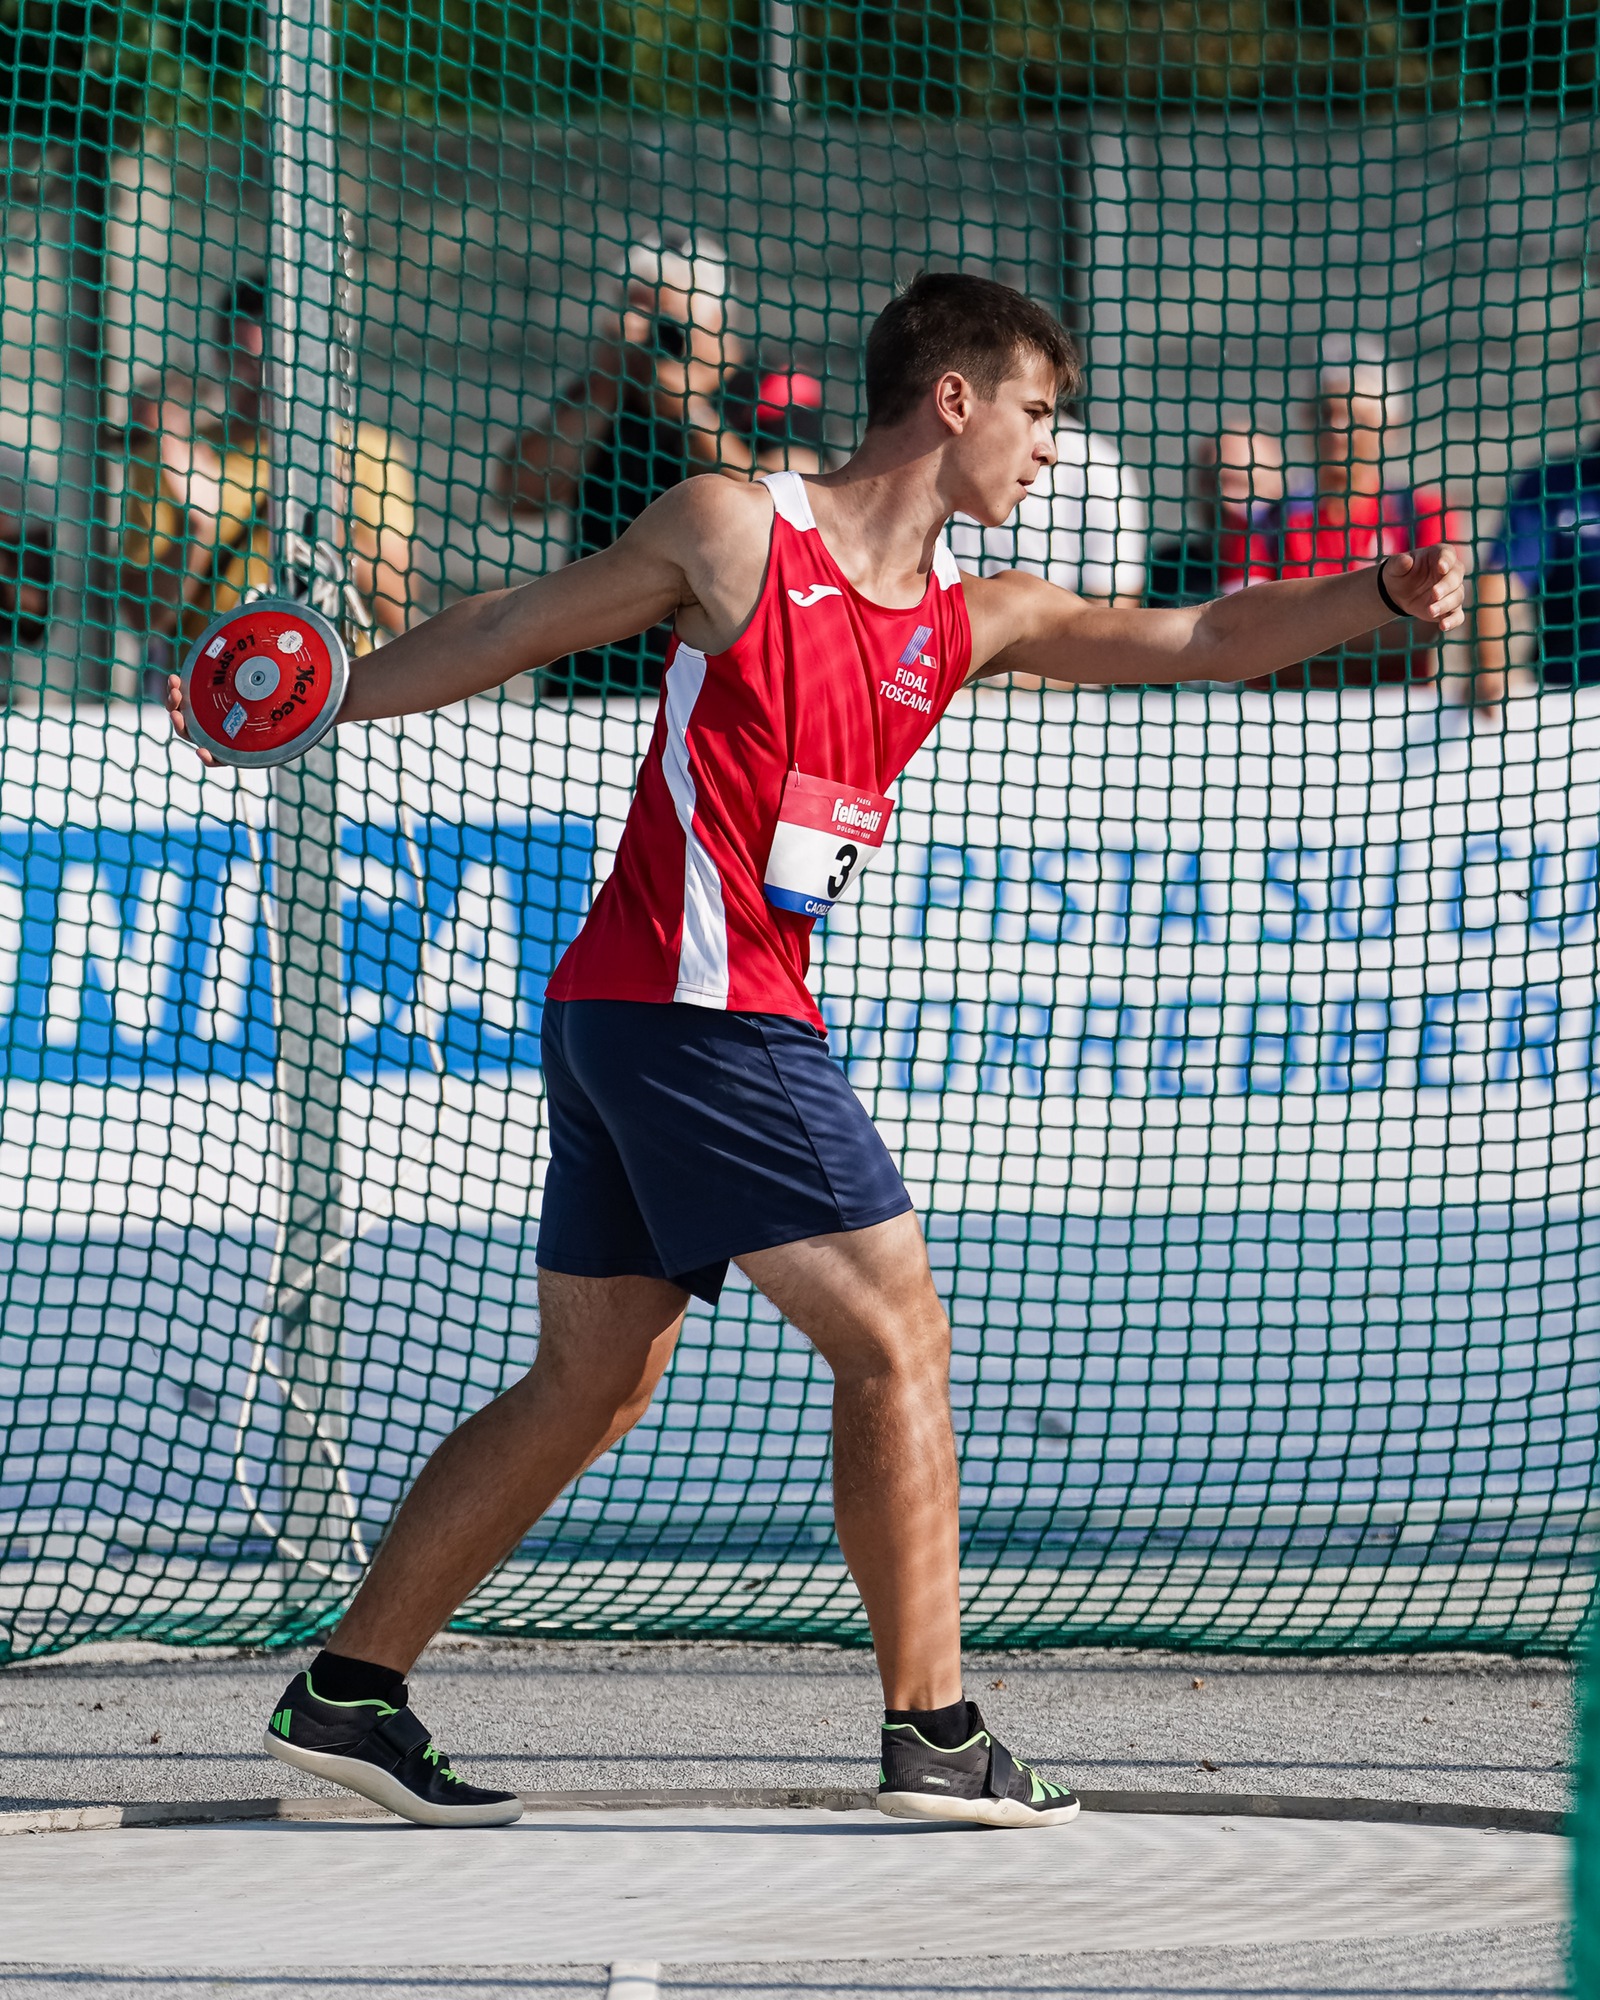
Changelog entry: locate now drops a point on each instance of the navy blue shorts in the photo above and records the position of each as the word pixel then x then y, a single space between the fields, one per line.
pixel 681 1137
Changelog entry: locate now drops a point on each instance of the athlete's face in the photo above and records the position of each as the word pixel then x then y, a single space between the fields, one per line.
pixel 1006 441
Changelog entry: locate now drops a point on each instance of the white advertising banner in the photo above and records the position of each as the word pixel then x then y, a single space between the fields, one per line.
pixel 1121 953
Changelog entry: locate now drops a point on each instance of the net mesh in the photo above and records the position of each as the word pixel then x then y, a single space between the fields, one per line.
pixel 1239 1046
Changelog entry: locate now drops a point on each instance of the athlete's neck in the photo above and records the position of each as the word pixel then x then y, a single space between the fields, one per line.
pixel 881 515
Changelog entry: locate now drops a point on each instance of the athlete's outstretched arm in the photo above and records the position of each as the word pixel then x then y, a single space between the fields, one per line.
pixel 1021 624
pixel 682 554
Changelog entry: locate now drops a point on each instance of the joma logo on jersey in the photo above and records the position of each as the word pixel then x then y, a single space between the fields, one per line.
pixel 814 594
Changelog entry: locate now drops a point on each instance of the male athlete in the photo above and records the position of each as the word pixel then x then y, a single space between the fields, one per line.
pixel 696 1118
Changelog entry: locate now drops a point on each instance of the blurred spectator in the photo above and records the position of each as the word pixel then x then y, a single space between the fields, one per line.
pixel 1354 516
pixel 1235 486
pixel 1083 524
pixel 196 532
pixel 644 417
pixel 1541 573
pixel 27 558
pixel 778 416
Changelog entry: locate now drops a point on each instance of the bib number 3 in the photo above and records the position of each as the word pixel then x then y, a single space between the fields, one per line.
pixel 847 858
pixel 825 836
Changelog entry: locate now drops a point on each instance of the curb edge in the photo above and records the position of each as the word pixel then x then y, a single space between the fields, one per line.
pixel 1214 1805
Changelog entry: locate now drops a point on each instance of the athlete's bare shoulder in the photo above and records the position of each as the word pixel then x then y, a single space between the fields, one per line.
pixel 716 528
pixel 1012 609
pixel 710 506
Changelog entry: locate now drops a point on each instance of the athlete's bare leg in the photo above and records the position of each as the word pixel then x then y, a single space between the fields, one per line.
pixel 603 1343
pixel 864 1298
pixel 866 1302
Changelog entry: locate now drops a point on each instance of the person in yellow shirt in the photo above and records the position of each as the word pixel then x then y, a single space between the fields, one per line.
pixel 197 534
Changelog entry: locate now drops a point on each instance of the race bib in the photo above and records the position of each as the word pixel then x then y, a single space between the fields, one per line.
pixel 826 835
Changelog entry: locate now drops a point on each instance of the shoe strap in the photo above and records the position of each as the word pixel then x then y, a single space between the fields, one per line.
pixel 401 1733
pixel 1002 1771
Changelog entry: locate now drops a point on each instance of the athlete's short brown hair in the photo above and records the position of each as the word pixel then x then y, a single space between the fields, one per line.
pixel 947 320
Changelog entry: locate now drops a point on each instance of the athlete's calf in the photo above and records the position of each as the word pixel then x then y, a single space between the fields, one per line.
pixel 865 1300
pixel 603 1344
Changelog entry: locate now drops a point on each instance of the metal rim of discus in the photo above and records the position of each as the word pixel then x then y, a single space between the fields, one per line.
pixel 327 716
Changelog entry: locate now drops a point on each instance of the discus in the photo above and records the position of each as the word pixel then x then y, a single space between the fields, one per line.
pixel 264 682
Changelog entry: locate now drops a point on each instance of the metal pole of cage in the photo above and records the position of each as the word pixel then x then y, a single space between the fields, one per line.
pixel 307 419
pixel 778 30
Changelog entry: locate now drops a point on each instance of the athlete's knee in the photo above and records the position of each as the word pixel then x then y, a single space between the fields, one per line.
pixel 603 1346
pixel 631 1402
pixel 924 1340
pixel 910 1342
pixel 609 1386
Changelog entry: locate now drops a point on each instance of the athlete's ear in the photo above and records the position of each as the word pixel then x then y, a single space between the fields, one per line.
pixel 953 399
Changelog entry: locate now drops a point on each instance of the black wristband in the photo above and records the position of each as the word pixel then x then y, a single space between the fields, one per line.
pixel 1384 594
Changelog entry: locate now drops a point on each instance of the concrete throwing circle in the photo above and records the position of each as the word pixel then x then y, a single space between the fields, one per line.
pixel 577 1888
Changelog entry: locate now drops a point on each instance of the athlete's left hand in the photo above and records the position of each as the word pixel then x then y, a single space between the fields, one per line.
pixel 180 725
pixel 1428 584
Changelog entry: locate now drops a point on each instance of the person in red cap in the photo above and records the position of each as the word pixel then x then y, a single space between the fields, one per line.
pixel 1358 513
pixel 778 413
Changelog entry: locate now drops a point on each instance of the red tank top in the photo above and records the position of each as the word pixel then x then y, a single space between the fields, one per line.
pixel 822 683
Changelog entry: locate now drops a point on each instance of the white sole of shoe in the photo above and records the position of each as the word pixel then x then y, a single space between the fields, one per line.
pixel 974 1812
pixel 385 1790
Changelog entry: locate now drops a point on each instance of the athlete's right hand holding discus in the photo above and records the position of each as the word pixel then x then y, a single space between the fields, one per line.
pixel 695 1116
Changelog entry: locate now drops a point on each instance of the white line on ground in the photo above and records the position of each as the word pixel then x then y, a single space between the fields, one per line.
pixel 626 1887
pixel 634 1979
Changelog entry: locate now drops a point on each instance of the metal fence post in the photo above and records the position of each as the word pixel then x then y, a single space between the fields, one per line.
pixel 78 650
pixel 305 394
pixel 778 31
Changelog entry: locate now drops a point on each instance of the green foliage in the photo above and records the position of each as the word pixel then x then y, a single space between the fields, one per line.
pixel 1314 54
pixel 75 65
pixel 962 59
pixel 914 58
pixel 96 70
pixel 1541 52
pixel 522 59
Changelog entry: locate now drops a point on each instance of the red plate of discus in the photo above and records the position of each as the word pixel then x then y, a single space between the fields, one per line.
pixel 264 682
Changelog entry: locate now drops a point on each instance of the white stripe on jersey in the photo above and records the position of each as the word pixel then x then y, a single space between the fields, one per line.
pixel 790 499
pixel 703 953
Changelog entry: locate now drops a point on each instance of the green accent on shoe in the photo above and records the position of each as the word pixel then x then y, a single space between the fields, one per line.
pixel 384 1708
pixel 431 1756
pixel 939 1749
pixel 1040 1789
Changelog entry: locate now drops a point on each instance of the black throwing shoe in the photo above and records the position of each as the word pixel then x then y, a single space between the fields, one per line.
pixel 384 1753
pixel 980 1783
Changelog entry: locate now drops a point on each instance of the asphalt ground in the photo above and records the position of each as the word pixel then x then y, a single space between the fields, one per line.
pixel 133 1723
pixel 112 1724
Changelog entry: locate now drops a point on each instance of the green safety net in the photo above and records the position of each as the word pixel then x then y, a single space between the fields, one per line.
pixel 1239 1046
